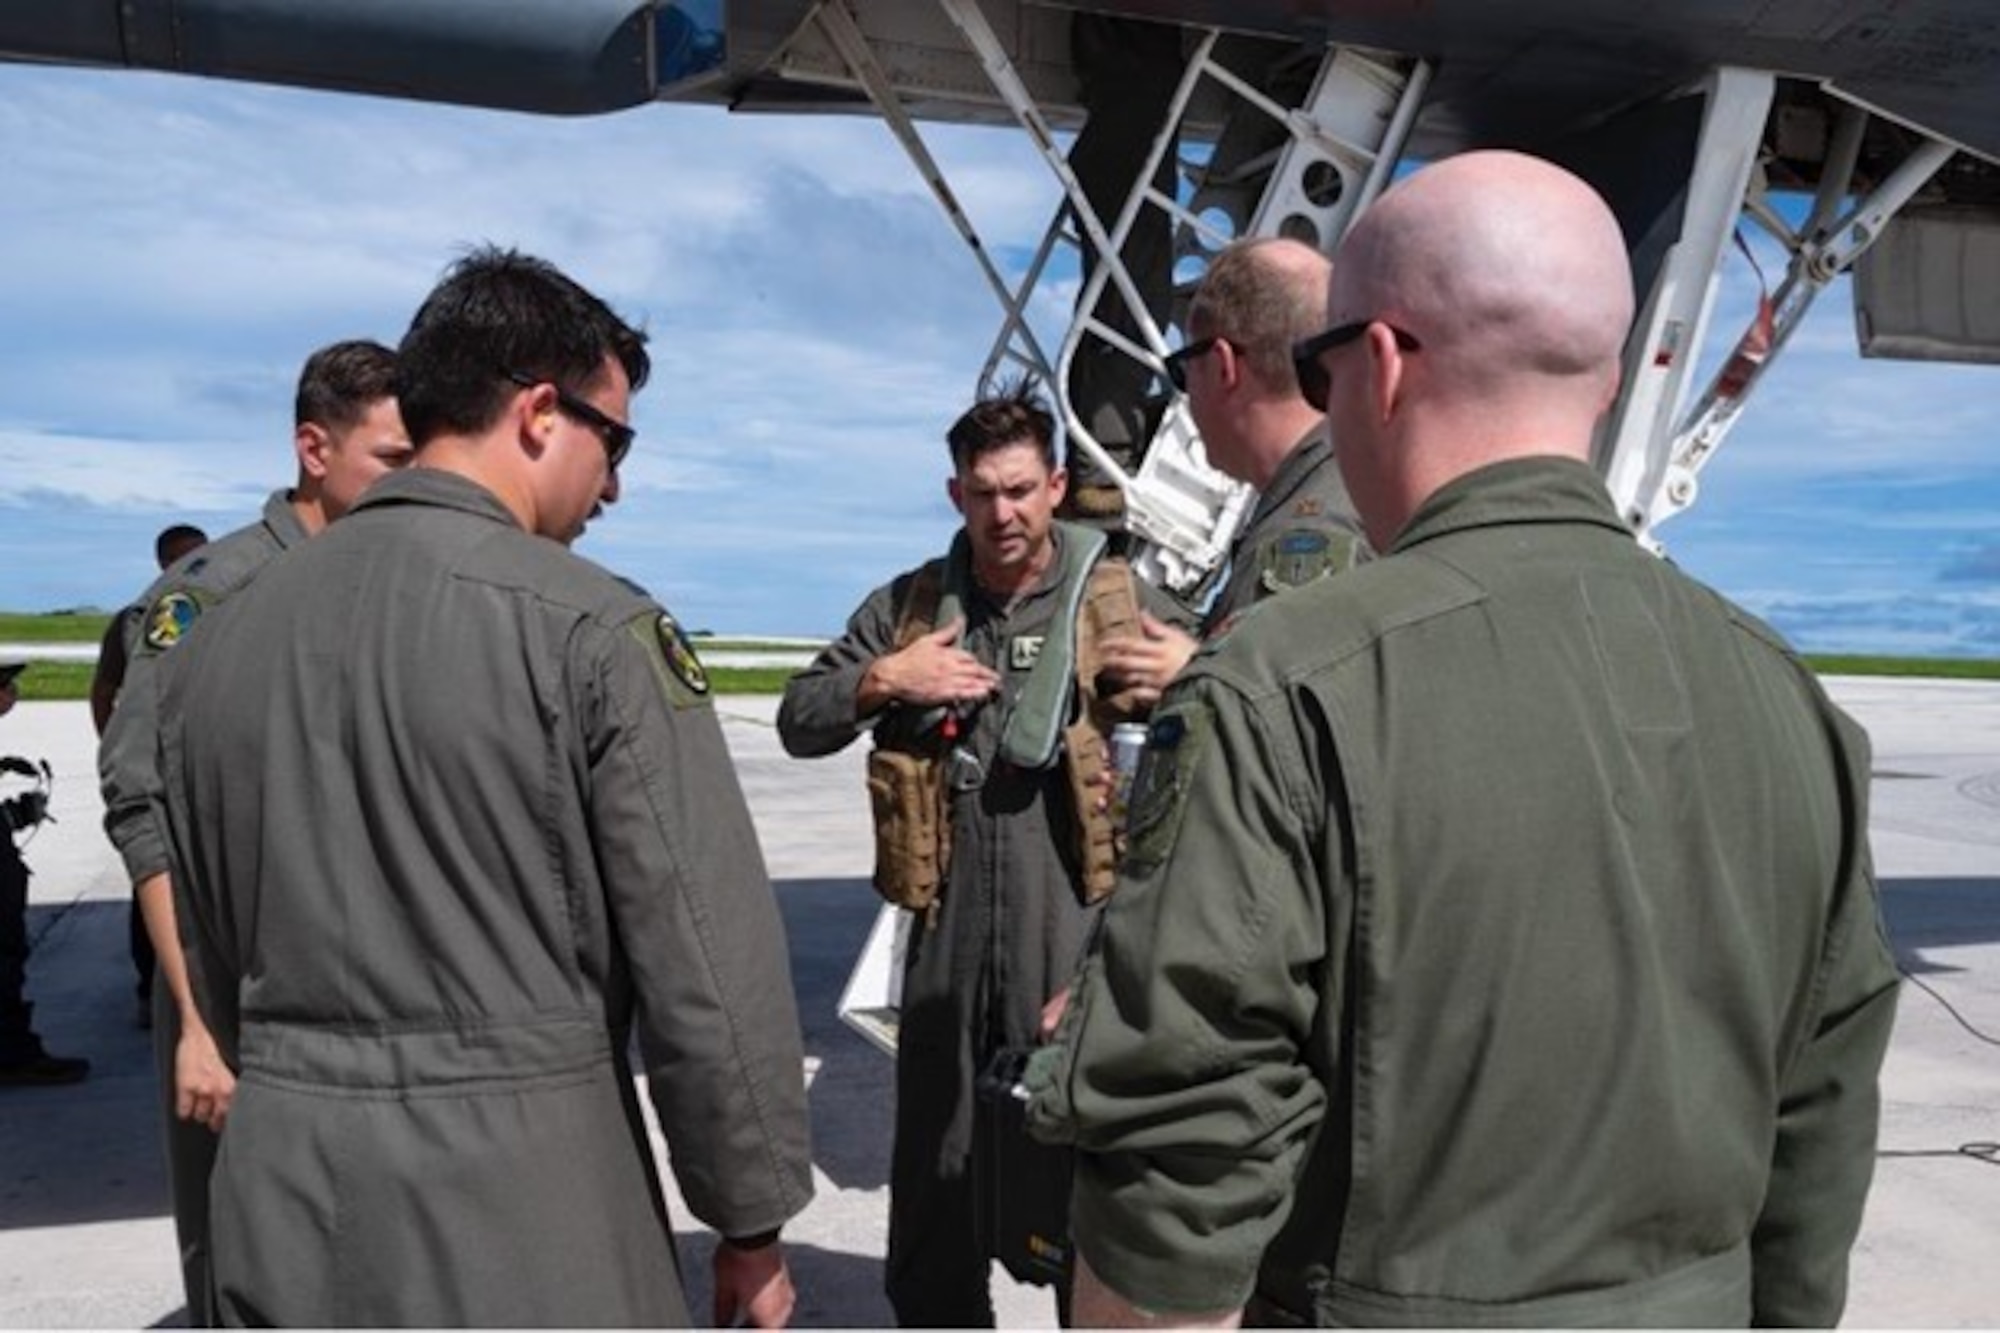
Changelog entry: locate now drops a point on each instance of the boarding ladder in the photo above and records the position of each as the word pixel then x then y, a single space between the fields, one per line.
pixel 1274 169
pixel 1282 163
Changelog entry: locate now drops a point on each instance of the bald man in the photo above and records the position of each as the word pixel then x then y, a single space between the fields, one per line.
pixel 1497 942
pixel 1256 300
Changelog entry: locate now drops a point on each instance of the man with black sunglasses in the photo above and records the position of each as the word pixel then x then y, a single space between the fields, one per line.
pixel 1257 299
pixel 1498 942
pixel 453 823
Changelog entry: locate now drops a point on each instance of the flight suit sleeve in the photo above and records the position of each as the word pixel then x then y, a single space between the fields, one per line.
pixel 1179 1071
pixel 207 929
pixel 127 756
pixel 695 916
pixel 1830 1102
pixel 1163 606
pixel 818 715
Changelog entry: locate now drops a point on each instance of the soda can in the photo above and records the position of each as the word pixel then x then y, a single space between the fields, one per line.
pixel 1128 740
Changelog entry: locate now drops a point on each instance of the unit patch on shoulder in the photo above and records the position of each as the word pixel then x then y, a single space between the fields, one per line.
pixel 169 620
pixel 1298 557
pixel 1024 650
pixel 674 646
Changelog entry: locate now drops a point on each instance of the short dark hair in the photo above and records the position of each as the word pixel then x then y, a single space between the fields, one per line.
pixel 499 312
pixel 174 540
pixel 341 381
pixel 1010 415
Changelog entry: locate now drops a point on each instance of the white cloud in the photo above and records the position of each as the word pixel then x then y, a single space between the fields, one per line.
pixel 122 474
pixel 175 247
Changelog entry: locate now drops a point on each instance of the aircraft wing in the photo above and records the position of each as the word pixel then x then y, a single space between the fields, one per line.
pixel 1509 73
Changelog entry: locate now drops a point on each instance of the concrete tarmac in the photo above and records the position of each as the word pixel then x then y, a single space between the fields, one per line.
pixel 86 1241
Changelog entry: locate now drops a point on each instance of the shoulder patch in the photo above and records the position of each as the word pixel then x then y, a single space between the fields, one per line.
pixel 169 619
pixel 681 659
pixel 1298 556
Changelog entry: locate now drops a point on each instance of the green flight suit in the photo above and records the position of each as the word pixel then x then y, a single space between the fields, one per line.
pixel 1302 528
pixel 127 763
pixel 1008 935
pixel 1497 944
pixel 452 816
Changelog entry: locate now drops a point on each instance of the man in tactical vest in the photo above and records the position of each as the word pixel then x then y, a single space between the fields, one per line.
pixel 979 675
pixel 1257 299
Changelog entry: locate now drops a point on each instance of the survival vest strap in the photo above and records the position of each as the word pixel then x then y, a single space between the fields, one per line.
pixel 907 788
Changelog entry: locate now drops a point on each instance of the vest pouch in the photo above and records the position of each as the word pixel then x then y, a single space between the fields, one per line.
pixel 1096 837
pixel 905 793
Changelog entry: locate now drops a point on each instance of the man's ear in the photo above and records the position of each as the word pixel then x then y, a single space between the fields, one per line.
pixel 538 419
pixel 1058 485
pixel 1385 371
pixel 1229 365
pixel 311 442
pixel 952 488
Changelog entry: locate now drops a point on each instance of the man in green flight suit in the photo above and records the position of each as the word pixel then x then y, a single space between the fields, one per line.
pixel 978 692
pixel 1257 298
pixel 1497 941
pixel 346 434
pixel 452 818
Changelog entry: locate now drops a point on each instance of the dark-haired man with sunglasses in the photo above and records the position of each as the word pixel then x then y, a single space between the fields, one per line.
pixel 1257 299
pixel 1498 942
pixel 455 823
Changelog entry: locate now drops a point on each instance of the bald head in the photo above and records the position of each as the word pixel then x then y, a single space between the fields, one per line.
pixel 1510 270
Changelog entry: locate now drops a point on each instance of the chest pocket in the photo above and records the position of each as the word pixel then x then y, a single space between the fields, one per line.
pixel 1295 558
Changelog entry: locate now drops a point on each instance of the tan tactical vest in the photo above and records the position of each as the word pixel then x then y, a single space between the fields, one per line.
pixel 907 791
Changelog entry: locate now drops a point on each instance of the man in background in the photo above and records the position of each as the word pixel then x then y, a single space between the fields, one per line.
pixel 109 676
pixel 1257 298
pixel 346 434
pixel 23 1060
pixel 1497 941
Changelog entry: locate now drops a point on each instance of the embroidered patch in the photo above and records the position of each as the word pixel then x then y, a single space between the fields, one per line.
pixel 1024 650
pixel 1297 558
pixel 170 620
pixel 674 646
pixel 1310 507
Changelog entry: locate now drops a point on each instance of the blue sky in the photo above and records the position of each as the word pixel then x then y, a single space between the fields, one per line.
pixel 173 248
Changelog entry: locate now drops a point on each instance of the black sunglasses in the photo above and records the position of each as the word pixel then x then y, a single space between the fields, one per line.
pixel 616 435
pixel 1314 383
pixel 1177 362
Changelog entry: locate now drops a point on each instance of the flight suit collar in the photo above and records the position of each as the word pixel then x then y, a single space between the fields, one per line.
pixel 439 488
pixel 1521 490
pixel 1298 467
pixel 283 520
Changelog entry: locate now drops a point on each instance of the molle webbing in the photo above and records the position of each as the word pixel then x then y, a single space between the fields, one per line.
pixel 1110 610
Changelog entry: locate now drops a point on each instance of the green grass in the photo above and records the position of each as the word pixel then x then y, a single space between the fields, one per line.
pixel 1936 668
pixel 53 627
pixel 71 680
pixel 56 680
